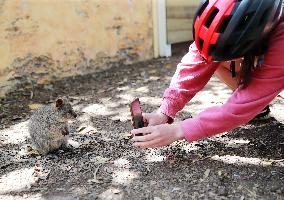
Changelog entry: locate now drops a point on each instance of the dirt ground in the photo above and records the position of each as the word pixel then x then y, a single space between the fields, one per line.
pixel 245 163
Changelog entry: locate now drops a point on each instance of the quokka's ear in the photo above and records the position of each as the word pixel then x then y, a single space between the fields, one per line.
pixel 59 103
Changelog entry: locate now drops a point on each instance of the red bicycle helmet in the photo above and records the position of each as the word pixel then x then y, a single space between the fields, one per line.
pixel 228 29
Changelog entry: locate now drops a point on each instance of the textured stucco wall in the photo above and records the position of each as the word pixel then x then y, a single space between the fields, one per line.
pixel 48 39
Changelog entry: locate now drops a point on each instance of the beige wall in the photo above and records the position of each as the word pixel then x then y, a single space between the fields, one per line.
pixel 180 15
pixel 69 37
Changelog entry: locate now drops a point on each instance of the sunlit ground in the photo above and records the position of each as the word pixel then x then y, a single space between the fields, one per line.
pixel 17 180
pixel 22 179
pixel 238 160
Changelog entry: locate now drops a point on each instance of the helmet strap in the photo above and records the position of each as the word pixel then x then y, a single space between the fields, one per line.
pixel 233 69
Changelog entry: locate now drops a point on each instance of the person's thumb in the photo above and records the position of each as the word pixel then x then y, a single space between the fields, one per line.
pixel 145 119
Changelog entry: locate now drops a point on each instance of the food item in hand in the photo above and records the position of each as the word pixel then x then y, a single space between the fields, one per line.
pixel 136 114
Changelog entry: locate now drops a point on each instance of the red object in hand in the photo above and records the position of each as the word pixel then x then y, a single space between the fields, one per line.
pixel 136 113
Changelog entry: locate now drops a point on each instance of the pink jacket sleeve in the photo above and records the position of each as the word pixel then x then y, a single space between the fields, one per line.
pixel 267 82
pixel 191 75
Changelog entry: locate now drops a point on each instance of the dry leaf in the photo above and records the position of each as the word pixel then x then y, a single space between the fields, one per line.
pixel 206 173
pixel 86 130
pixel 154 78
pixel 127 136
pixel 35 106
pixel 40 173
pixel 99 160
pixel 28 151
pixel 81 128
pixel 116 191
pixel 73 143
pixel 175 189
pixel 152 71
pixel 168 65
pixel 142 89
pixel 94 180
pixel 88 141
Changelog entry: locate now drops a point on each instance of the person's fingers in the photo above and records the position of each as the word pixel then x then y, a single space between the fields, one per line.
pixel 145 115
pixel 145 130
pixel 148 137
pixel 145 119
pixel 148 144
pixel 146 122
pixel 150 119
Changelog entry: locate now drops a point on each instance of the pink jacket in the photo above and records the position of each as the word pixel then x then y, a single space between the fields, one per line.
pixel 192 75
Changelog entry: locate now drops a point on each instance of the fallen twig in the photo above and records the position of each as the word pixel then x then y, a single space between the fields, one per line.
pixel 95 180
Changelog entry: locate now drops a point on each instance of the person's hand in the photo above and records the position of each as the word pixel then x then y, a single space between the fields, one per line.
pixel 155 118
pixel 157 136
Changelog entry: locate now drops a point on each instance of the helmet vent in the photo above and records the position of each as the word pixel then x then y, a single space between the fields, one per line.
pixel 201 43
pixel 229 29
pixel 224 24
pixel 211 17
pixel 212 49
pixel 202 8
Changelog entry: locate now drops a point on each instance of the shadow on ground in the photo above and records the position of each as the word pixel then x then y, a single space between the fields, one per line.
pixel 245 163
